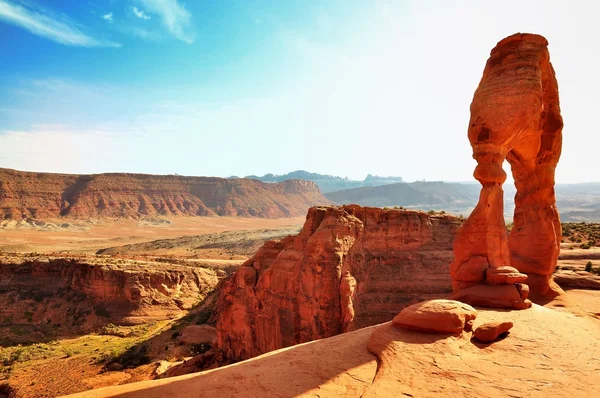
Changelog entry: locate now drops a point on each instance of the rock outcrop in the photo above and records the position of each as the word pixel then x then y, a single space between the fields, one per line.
pixel 349 267
pixel 515 116
pixel 66 297
pixel 490 331
pixel 577 280
pixel 549 353
pixel 48 195
pixel 437 316
pixel 198 334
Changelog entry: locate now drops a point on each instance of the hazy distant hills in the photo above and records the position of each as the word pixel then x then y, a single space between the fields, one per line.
pixel 327 183
pixel 451 197
pixel 48 195
pixel 576 202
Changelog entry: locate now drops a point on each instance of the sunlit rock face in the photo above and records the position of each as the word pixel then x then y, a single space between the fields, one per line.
pixel 349 267
pixel 515 116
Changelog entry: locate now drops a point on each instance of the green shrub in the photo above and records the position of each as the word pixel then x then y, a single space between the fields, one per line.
pixel 101 311
pixel 588 266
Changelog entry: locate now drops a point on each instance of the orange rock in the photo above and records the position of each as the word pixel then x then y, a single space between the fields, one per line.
pixel 437 316
pixel 198 334
pixel 489 332
pixel 120 293
pixel 494 296
pixel 515 116
pixel 504 276
pixel 349 267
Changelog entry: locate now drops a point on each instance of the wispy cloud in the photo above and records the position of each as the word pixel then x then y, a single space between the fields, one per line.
pixel 144 34
pixel 139 13
pixel 108 17
pixel 43 24
pixel 176 18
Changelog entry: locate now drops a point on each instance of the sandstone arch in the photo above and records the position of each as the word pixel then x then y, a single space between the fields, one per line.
pixel 515 115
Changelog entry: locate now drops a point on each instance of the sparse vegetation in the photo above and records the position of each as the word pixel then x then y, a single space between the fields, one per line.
pixel 588 266
pixel 101 311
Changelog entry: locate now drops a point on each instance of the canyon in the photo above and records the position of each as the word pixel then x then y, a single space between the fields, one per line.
pixel 348 268
pixel 60 297
pixel 358 301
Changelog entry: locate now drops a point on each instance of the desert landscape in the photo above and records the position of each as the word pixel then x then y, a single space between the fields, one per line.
pixel 160 235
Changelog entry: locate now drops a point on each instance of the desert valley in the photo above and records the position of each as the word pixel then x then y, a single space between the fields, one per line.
pixel 120 278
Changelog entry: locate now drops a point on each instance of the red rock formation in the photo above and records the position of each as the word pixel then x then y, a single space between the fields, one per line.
pixel 437 316
pixel 198 334
pixel 47 195
pixel 515 115
pixel 490 331
pixel 74 296
pixel 349 267
pixel 550 353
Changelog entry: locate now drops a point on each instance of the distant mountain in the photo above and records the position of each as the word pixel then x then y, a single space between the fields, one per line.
pixel 576 202
pixel 48 195
pixel 328 183
pixel 451 197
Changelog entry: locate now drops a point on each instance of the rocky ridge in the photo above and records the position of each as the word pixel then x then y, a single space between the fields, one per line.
pixel 349 267
pixel 46 195
pixel 58 296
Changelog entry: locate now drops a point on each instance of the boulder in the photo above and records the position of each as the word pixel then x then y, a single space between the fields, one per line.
pixel 198 334
pixel 494 296
pixel 504 276
pixel 490 331
pixel 437 316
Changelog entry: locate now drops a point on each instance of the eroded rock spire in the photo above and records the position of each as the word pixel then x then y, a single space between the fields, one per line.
pixel 515 116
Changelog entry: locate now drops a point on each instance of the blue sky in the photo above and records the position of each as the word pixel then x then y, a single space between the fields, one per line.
pixel 252 87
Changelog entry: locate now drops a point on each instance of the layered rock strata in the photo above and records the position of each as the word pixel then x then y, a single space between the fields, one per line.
pixel 349 267
pixel 65 296
pixel 515 116
pixel 46 195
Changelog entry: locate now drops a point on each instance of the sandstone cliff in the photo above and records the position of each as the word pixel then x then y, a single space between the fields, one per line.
pixel 47 195
pixel 62 296
pixel 349 267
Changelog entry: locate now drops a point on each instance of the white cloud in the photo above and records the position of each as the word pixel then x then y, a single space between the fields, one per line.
pixel 145 34
pixel 175 17
pixel 36 149
pixel 45 25
pixel 139 13
pixel 108 17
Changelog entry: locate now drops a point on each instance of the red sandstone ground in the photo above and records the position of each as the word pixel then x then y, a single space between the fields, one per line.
pixel 551 351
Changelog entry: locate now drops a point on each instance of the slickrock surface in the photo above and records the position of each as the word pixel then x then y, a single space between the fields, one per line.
pixel 437 316
pixel 577 280
pixel 349 267
pixel 515 115
pixel 549 353
pixel 47 195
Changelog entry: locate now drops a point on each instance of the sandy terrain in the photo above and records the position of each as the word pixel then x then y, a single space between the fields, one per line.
pixel 90 236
